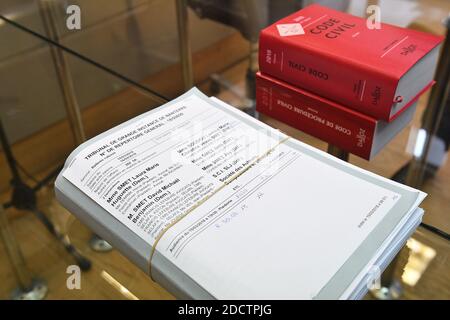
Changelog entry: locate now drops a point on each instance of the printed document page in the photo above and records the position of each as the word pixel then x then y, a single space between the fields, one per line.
pixel 280 230
pixel 155 169
pixel 276 222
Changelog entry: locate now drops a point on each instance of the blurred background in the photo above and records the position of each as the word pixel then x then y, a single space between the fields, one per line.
pixel 61 85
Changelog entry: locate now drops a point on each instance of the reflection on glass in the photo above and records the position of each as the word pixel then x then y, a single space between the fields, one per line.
pixel 138 40
pixel 420 257
pixel 118 286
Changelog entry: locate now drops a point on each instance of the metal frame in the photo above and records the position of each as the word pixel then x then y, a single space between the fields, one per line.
pixel 29 288
pixel 433 114
pixel 47 10
pixel 184 43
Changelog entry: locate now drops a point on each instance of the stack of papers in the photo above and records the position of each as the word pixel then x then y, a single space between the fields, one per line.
pixel 215 204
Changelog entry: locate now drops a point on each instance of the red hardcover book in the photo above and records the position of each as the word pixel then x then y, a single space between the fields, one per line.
pixel 329 121
pixel 337 56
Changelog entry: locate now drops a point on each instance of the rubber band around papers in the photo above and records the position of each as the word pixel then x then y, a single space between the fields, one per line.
pixel 198 204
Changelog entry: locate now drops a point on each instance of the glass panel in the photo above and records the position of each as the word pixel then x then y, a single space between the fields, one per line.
pixel 123 60
pixel 136 38
pixel 33 112
pixel 393 161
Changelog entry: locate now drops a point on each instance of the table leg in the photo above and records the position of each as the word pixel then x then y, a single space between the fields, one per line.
pixel 29 288
pixel 184 43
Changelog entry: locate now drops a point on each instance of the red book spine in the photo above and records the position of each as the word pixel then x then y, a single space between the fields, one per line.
pixel 358 86
pixel 314 115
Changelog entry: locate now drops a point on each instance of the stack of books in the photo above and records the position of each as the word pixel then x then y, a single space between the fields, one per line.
pixel 214 204
pixel 340 79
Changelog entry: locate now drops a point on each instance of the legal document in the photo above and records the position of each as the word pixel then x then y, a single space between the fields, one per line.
pixel 243 210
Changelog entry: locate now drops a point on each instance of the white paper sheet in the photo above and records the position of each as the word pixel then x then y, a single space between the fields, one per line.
pixel 150 172
pixel 288 215
pixel 302 218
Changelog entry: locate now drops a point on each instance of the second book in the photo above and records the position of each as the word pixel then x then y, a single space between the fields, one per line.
pixel 333 123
